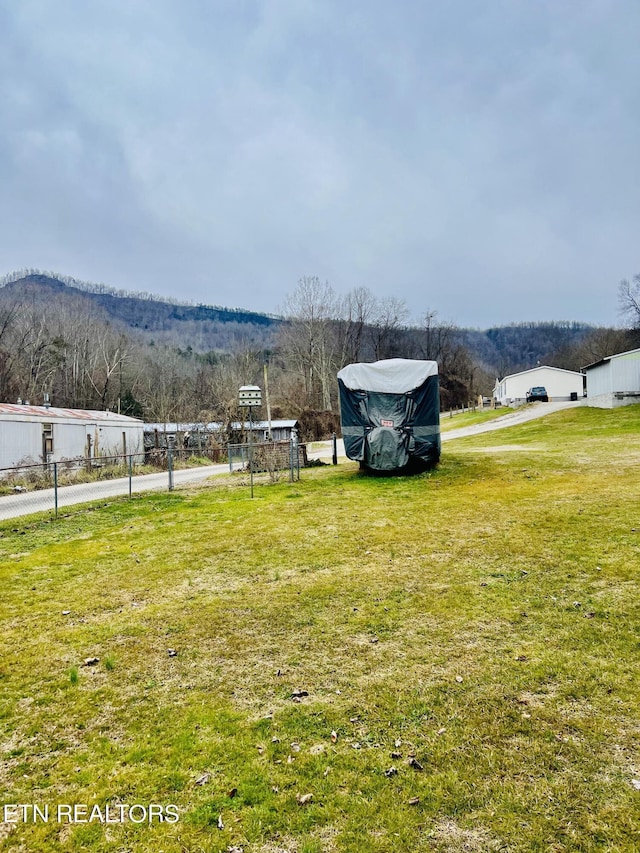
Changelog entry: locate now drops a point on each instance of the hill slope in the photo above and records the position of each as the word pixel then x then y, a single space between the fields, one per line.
pixel 203 327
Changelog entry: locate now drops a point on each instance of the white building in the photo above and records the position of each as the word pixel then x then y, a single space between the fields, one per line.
pixel 560 384
pixel 614 381
pixel 36 434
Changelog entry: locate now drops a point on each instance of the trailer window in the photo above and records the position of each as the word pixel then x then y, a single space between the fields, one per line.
pixel 47 438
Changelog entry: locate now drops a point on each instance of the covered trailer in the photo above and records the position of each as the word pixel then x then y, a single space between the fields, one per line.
pixel 390 413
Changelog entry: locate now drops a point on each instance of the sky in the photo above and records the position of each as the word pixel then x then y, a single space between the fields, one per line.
pixel 476 158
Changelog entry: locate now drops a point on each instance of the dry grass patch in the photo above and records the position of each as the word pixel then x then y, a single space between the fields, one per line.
pixel 443 661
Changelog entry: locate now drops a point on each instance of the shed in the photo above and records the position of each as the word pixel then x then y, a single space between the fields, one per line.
pixel 614 381
pixel 390 412
pixel 36 434
pixel 561 385
pixel 190 434
pixel 182 435
pixel 281 430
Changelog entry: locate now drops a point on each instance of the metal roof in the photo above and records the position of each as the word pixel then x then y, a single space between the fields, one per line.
pixel 539 367
pixel 214 425
pixel 629 352
pixel 50 413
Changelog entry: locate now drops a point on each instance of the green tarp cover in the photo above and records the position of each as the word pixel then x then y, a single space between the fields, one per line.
pixel 390 413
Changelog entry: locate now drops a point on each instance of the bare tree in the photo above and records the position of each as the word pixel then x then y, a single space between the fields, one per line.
pixel 629 299
pixel 8 352
pixel 390 319
pixel 440 341
pixel 358 309
pixel 601 343
pixel 109 353
pixel 308 338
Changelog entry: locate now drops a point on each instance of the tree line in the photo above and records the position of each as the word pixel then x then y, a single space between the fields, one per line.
pixel 68 348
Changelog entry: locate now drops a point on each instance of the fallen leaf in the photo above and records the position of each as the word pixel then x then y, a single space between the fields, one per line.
pixel 397 742
pixel 232 793
pixel 459 679
pixel 303 799
pixel 441 731
pixel 414 801
pixel 172 653
pixel 204 779
pixel 334 736
pixel 392 771
pixel 413 762
pixel 298 694
pixel 396 755
pixel 91 661
pixel 636 784
pixel 220 823
pixel 295 747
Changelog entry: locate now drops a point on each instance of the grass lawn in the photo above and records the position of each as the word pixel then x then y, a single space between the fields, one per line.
pixel 447 662
pixel 464 419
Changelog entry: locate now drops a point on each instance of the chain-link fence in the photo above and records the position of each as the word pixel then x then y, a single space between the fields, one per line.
pixel 272 457
pixel 52 486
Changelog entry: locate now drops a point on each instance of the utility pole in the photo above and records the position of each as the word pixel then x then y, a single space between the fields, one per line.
pixel 266 399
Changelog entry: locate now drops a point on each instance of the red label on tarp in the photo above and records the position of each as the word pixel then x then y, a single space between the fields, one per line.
pixel 386 423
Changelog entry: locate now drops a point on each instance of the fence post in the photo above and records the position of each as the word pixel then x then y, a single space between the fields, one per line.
pixel 55 487
pixel 130 471
pixel 291 459
pixel 170 467
pixel 294 455
pixel 335 449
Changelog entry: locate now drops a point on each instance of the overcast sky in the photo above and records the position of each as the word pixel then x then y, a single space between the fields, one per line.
pixel 476 158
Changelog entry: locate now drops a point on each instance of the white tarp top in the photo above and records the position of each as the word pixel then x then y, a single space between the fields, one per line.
pixel 390 376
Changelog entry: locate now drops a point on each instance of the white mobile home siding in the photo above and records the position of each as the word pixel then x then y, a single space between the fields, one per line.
pixel 614 381
pixel 23 429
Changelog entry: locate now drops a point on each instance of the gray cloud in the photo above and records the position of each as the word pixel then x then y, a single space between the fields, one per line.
pixel 476 159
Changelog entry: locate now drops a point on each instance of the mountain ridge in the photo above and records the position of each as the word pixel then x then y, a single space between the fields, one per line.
pixel 203 328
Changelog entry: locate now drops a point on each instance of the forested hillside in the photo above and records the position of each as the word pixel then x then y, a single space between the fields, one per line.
pixel 89 346
pixel 203 327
